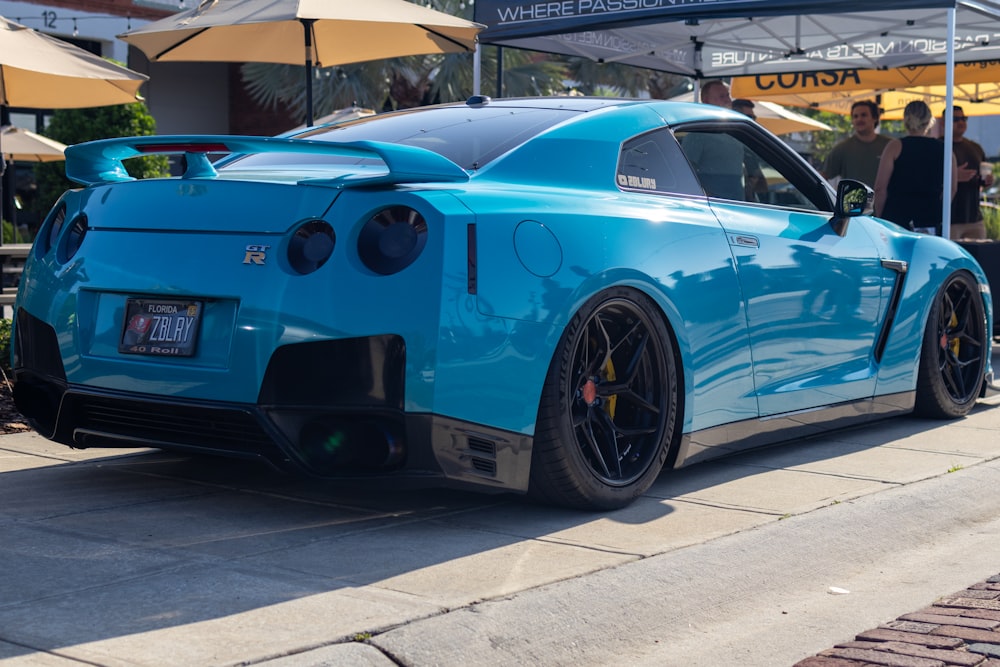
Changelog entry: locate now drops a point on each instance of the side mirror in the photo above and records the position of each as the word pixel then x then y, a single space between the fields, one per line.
pixel 854 198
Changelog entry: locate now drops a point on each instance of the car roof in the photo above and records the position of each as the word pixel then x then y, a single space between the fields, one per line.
pixel 474 133
pixel 573 102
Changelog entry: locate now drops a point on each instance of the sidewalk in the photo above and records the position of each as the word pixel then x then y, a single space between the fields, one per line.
pixel 147 558
pixel 757 598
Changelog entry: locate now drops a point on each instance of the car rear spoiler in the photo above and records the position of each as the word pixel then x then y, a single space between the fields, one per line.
pixel 99 162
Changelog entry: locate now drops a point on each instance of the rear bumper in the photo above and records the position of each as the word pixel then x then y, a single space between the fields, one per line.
pixel 332 409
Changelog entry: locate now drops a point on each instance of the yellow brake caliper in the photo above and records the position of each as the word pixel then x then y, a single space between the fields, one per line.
pixel 609 370
pixel 955 342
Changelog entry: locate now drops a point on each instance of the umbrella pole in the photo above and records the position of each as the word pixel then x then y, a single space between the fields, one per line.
pixel 3 193
pixel 307 25
pixel 4 120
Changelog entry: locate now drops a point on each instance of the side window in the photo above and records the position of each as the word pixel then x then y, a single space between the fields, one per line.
pixel 653 162
pixel 730 165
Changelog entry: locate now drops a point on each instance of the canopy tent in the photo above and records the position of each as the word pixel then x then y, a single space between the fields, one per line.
pixel 726 38
pixel 975 89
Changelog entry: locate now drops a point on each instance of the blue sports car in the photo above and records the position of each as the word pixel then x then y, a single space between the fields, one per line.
pixel 557 296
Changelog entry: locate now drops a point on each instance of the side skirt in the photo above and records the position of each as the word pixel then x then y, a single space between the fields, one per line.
pixel 731 438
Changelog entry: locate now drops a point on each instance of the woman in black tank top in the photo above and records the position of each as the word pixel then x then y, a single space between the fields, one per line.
pixel 910 177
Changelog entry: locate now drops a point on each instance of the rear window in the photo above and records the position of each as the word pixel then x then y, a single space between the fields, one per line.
pixel 468 136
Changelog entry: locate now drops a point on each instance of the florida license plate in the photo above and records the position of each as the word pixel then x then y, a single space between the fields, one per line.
pixel 167 328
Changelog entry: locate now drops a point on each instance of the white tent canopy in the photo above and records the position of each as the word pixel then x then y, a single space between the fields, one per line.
pixel 725 38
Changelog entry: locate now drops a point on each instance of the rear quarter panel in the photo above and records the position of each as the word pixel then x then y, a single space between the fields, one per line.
pixel 580 243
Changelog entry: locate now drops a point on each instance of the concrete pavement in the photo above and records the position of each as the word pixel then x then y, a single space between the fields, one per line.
pixel 146 558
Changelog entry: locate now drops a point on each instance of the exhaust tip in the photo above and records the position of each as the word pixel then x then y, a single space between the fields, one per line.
pixel 328 446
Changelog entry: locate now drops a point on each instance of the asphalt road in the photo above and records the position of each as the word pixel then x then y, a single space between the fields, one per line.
pixel 145 558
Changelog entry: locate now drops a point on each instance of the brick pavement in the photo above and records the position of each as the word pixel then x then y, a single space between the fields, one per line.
pixel 958 629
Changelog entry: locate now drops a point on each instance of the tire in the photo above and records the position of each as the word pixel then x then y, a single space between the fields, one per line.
pixel 953 352
pixel 609 406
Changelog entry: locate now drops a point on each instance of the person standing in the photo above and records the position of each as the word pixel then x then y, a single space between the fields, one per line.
pixel 858 155
pixel 716 157
pixel 754 181
pixel 716 92
pixel 745 107
pixel 910 179
pixel 966 216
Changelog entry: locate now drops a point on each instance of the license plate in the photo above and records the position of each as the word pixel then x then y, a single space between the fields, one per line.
pixel 167 328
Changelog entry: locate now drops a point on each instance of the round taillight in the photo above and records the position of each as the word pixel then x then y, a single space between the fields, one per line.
pixel 310 246
pixel 392 239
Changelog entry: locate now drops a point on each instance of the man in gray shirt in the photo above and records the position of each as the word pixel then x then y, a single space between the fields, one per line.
pixel 858 155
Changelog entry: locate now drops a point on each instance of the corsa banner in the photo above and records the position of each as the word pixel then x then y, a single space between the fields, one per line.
pixel 976 89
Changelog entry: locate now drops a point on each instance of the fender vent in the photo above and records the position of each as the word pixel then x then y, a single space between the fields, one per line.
pixel 482 446
pixel 484 466
pixel 480 449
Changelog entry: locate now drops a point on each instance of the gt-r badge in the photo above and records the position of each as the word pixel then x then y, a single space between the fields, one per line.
pixel 255 254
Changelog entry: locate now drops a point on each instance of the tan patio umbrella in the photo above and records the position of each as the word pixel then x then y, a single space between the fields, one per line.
pixel 780 120
pixel 20 145
pixel 41 72
pixel 339 116
pixel 774 117
pixel 303 32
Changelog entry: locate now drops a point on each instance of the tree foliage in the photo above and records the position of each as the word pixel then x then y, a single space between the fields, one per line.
pixel 74 126
pixel 401 83
pixel 593 78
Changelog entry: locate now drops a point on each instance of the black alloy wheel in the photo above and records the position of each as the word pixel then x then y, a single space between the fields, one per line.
pixel 609 407
pixel 953 355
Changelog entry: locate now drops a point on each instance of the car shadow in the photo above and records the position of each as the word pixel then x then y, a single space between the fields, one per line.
pixel 148 541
